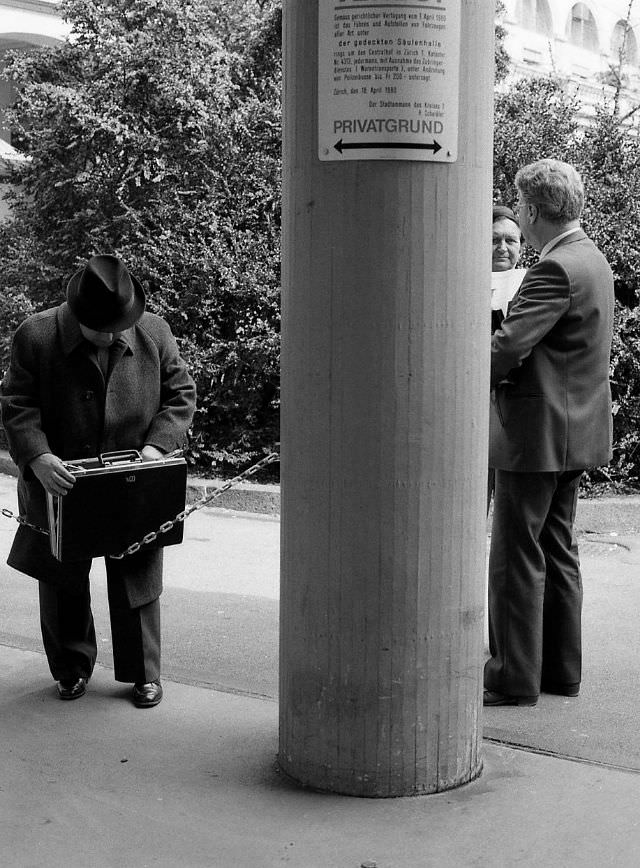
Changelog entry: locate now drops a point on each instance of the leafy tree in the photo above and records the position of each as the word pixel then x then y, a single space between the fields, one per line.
pixel 154 132
pixel 150 138
pixel 609 161
pixel 608 158
pixel 533 118
pixel 624 470
pixel 537 118
pixel 501 58
pixel 237 21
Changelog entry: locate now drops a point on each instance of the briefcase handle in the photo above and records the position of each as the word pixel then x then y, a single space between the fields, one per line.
pixel 107 459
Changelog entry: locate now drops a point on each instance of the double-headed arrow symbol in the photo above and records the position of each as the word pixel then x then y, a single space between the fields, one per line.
pixel 414 146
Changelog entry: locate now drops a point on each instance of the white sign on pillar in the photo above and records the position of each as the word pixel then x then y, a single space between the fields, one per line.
pixel 389 76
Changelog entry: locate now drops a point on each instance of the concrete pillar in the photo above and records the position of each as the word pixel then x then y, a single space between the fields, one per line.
pixel 386 268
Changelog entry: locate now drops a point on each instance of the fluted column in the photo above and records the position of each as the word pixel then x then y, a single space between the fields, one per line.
pixel 385 395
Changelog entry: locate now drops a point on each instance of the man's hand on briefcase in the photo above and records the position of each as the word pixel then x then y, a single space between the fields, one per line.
pixel 150 453
pixel 52 473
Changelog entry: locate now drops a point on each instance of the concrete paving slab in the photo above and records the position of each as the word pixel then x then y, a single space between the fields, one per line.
pixel 96 783
pixel 602 723
pixel 219 607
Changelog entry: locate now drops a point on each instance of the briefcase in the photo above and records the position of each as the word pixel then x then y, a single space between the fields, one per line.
pixel 116 500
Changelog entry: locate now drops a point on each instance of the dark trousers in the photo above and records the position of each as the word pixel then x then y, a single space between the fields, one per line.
pixel 535 587
pixel 69 637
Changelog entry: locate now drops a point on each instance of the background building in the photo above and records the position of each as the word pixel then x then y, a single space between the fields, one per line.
pixel 23 24
pixel 581 41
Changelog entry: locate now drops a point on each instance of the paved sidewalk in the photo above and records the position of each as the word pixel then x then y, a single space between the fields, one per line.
pixel 96 783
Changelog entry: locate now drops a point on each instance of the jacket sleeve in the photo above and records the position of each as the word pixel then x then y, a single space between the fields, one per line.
pixel 542 299
pixel 19 397
pixel 168 429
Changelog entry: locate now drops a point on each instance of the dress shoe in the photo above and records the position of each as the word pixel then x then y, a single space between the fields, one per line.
pixel 72 688
pixel 147 695
pixel 492 697
pixel 560 689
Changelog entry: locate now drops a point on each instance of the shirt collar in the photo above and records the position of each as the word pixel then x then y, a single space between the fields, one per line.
pixel 548 247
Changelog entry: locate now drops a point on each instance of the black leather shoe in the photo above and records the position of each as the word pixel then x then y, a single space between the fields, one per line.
pixel 147 695
pixel 560 689
pixel 492 697
pixel 72 688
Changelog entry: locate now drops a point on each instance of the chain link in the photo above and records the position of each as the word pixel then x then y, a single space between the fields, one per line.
pixel 166 526
pixel 22 520
pixel 199 504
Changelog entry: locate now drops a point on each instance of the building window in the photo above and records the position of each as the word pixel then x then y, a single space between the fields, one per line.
pixel 624 46
pixel 535 15
pixel 583 30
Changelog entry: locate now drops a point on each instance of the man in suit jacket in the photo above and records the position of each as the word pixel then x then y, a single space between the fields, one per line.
pixel 550 420
pixel 95 374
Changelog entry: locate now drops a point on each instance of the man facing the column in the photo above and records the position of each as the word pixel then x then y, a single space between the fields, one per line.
pixel 550 420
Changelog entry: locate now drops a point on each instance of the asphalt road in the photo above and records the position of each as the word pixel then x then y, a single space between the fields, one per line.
pixel 219 606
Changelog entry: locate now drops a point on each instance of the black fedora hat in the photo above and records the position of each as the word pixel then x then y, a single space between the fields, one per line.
pixel 104 296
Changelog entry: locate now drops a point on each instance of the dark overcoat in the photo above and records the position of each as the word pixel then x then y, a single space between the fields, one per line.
pixel 54 399
pixel 551 407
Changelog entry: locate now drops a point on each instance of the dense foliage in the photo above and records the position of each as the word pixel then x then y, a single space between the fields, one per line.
pixel 151 135
pixel 537 118
pixel 609 159
pixel 154 133
pixel 533 118
pixel 501 58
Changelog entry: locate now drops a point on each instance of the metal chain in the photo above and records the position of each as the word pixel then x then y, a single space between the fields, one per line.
pixel 22 520
pixel 167 525
pixel 199 504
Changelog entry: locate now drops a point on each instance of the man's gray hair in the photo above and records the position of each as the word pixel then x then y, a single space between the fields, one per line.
pixel 555 187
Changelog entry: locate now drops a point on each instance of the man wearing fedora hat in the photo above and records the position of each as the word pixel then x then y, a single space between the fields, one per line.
pixel 96 374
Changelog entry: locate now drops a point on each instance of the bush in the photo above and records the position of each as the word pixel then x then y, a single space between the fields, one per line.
pixel 152 136
pixel 536 118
